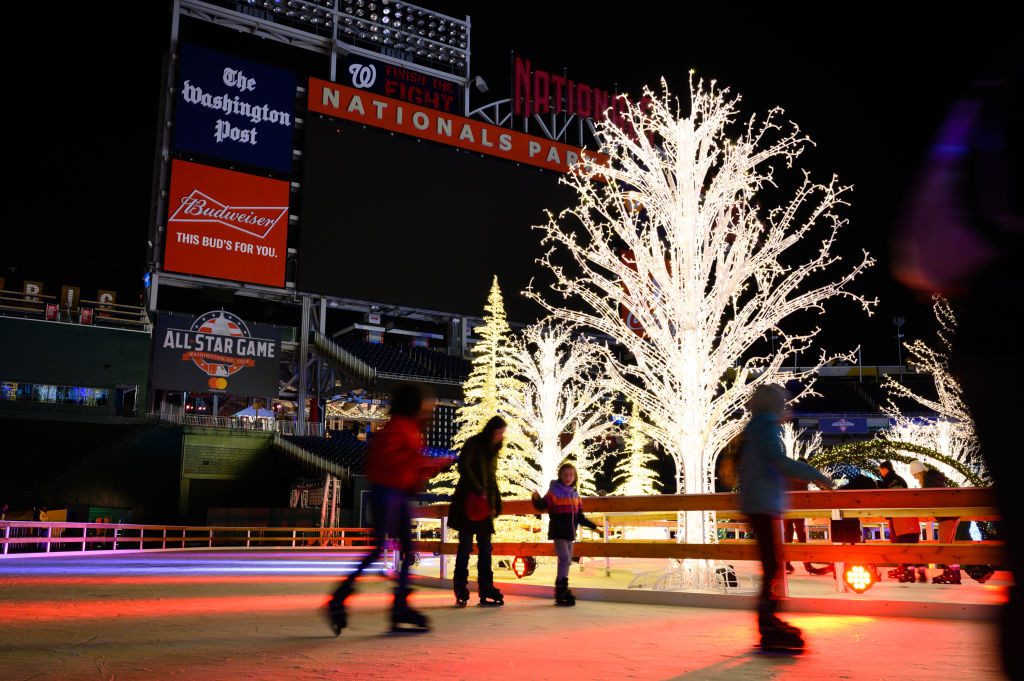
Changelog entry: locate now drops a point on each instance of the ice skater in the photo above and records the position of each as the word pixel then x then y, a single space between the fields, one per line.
pixel 565 508
pixel 397 469
pixel 763 465
pixel 475 504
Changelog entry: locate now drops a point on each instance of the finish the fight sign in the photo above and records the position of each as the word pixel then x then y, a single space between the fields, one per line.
pixel 215 352
pixel 234 109
pixel 226 225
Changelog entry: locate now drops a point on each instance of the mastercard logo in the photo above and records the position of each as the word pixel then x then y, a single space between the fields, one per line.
pixel 218 383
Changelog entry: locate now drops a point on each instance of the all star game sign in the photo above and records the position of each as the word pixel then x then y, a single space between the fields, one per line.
pixel 216 352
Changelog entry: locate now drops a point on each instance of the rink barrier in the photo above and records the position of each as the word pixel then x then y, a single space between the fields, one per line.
pixel 965 503
pixel 23 537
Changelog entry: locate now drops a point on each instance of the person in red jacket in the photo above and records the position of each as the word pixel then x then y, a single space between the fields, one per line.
pixel 397 469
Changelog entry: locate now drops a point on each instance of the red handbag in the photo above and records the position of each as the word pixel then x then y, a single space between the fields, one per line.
pixel 477 507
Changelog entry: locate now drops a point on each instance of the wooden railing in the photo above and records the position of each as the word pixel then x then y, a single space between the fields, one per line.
pixel 966 503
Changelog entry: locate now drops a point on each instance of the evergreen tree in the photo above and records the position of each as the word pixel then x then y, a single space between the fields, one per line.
pixel 633 471
pixel 485 394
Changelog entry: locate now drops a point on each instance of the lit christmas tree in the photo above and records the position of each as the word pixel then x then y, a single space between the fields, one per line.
pixel 796 444
pixel 633 471
pixel 563 393
pixel 671 256
pixel 952 432
pixel 485 394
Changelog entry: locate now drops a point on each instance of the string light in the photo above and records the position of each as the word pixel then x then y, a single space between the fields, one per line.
pixel 486 394
pixel 563 392
pixel 952 433
pixel 796 444
pixel 701 269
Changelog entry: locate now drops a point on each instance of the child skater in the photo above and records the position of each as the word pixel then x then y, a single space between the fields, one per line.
pixel 563 504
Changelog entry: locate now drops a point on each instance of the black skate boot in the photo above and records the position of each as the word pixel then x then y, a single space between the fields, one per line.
pixel 950 575
pixel 781 637
pixel 789 568
pixel 486 591
pixel 922 576
pixel 336 615
pixel 905 574
pixel 402 614
pixel 563 596
pixel 460 582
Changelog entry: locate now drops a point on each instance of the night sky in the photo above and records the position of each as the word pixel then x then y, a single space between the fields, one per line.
pixel 870 89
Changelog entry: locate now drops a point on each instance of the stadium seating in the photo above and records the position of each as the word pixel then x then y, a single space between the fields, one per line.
pixel 407 361
pixel 342 448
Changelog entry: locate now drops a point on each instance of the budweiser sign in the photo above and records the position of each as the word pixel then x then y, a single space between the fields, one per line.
pixel 255 220
pixel 226 224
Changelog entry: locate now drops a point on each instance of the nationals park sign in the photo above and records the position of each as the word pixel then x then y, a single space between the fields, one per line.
pixel 351 104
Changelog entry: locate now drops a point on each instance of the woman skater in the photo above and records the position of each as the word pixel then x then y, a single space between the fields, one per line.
pixel 397 469
pixel 476 502
pixel 563 504
pixel 763 465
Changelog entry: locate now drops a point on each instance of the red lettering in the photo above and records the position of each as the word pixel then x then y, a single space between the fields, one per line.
pixel 541 92
pixel 521 87
pixel 583 102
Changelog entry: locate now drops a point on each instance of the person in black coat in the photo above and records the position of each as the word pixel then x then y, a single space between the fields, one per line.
pixel 478 482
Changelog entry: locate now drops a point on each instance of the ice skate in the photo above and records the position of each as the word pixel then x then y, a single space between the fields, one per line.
pixel 563 596
pixel 460 584
pixel 486 591
pixel 402 614
pixel 780 637
pixel 491 597
pixel 336 615
pixel 948 576
pixel 461 595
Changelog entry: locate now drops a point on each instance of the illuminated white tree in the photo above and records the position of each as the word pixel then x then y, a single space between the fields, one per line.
pixel 486 394
pixel 563 392
pixel 796 444
pixel 671 233
pixel 633 471
pixel 951 433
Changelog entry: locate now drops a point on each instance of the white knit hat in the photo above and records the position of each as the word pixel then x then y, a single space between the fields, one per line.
pixel 917 467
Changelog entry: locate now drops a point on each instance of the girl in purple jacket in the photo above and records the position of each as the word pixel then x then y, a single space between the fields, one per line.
pixel 563 504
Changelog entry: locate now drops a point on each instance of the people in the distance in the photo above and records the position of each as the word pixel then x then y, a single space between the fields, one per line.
pixel 902 530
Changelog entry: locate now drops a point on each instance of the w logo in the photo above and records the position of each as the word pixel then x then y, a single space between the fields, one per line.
pixel 363 76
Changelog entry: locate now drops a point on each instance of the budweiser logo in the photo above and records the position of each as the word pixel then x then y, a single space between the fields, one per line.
pixel 254 220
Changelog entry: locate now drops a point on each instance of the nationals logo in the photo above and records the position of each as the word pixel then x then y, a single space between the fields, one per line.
pixel 363 75
pixel 226 224
pixel 220 345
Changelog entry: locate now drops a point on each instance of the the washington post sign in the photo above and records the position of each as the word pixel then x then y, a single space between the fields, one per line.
pixel 234 109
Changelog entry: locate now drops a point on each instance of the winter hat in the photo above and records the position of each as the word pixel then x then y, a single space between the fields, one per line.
pixel 917 467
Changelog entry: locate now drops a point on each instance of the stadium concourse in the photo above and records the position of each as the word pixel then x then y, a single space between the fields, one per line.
pixel 220 614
